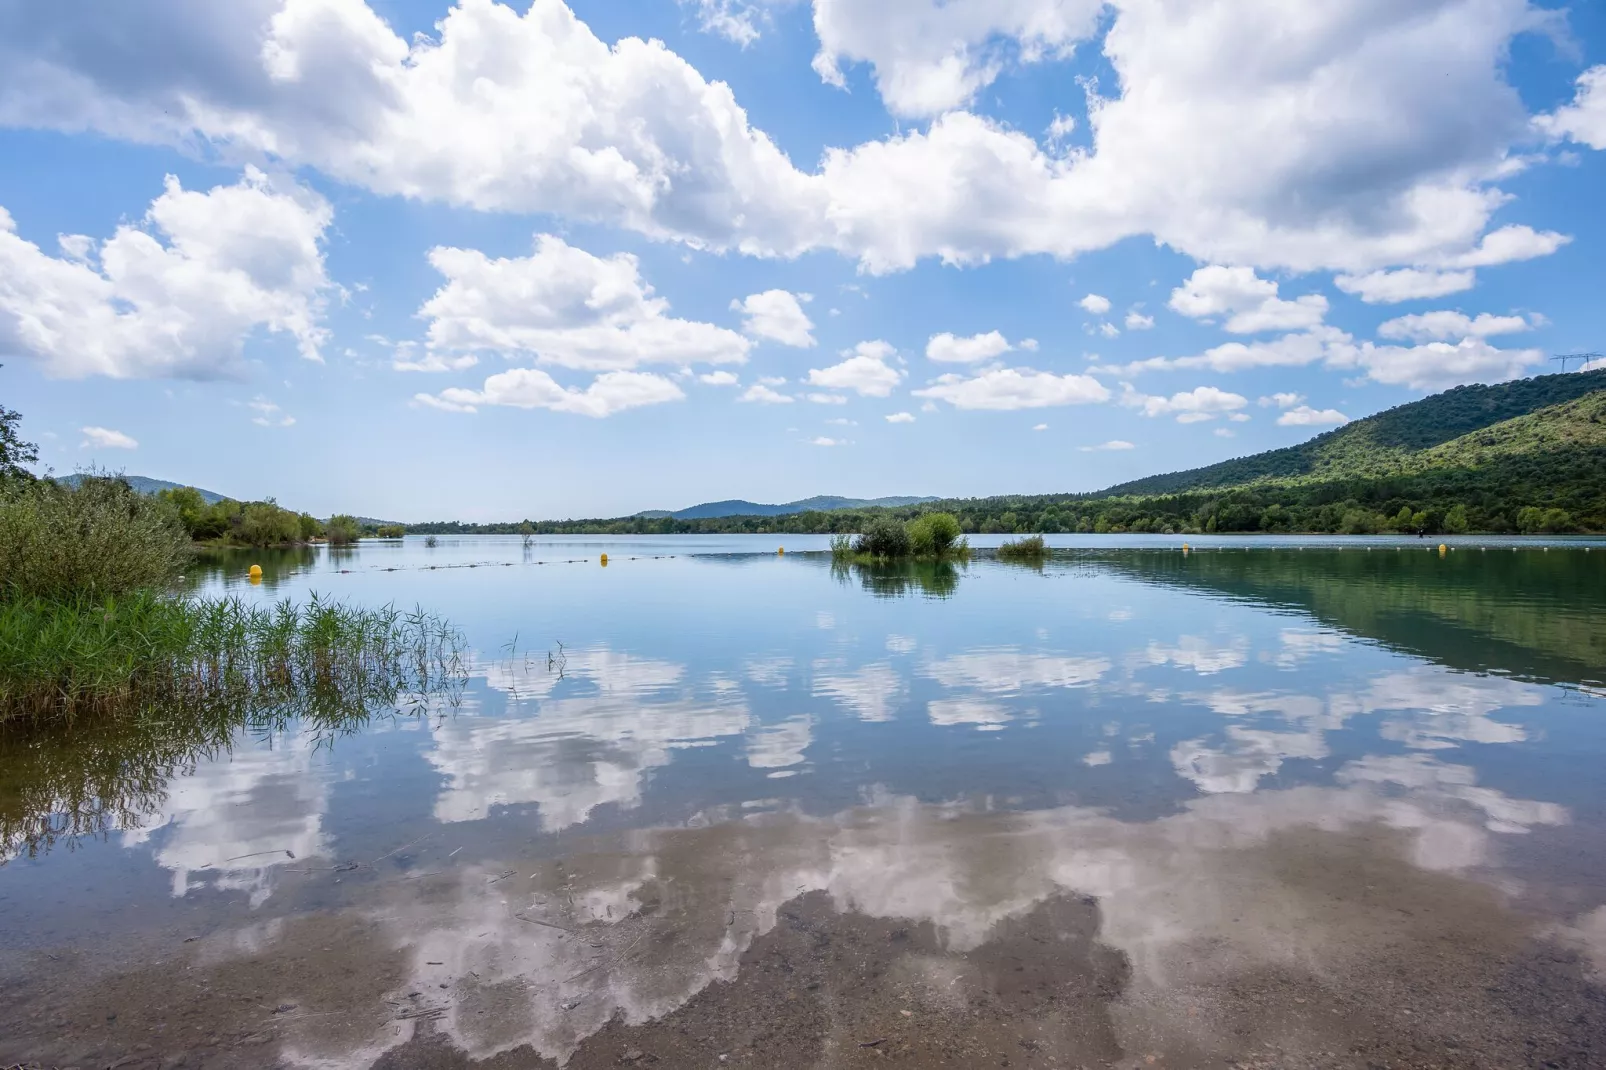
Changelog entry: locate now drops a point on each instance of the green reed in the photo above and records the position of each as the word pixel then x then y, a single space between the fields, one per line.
pixel 147 652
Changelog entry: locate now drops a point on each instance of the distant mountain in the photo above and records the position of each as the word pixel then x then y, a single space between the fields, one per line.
pixel 822 503
pixel 147 485
pixel 1557 417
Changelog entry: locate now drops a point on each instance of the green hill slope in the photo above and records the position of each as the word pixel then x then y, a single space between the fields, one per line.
pixel 1436 431
pixel 1524 456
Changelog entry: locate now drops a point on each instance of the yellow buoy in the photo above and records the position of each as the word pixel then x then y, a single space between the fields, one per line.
pixel 781 552
pixel 256 572
pixel 1443 549
pixel 604 560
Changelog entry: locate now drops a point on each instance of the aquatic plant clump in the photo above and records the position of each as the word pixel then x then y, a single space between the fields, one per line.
pixel 1032 549
pixel 145 652
pixel 929 537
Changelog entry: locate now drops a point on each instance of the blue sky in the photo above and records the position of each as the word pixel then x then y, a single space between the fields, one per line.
pixel 486 261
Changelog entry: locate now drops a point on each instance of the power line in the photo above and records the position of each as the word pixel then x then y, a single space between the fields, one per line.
pixel 1582 358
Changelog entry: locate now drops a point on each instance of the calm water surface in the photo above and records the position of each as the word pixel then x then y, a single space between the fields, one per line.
pixel 1280 802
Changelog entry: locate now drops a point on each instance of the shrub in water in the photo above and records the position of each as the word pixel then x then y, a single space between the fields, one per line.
pixel 885 537
pixel 934 534
pixel 342 530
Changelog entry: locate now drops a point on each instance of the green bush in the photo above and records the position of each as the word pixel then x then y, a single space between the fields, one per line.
pixel 885 537
pixel 342 530
pixel 934 534
pixel 392 531
pixel 96 539
pixel 14 452
pixel 265 524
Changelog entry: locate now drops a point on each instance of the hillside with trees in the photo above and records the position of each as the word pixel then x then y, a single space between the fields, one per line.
pixel 1527 456
pixel 1409 438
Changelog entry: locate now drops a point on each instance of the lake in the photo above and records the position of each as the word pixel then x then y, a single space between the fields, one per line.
pixel 1265 803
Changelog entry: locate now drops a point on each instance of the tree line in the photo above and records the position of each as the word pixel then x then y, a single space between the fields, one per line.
pixel 1552 493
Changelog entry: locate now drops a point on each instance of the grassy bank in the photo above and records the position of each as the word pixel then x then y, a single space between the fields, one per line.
pixel 145 652
pixel 143 719
pixel 91 624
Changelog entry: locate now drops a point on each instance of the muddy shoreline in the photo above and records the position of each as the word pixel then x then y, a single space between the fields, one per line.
pixel 1380 964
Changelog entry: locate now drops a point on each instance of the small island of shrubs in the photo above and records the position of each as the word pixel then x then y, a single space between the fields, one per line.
pixel 927 537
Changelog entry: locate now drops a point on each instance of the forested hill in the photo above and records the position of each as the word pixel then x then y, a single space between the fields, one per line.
pixel 1525 456
pixel 1395 441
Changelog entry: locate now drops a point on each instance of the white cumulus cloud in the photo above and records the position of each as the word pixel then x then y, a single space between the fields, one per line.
pixel 1249 302
pixel 1405 284
pixel 737 21
pixel 1305 416
pixel 766 394
pixel 1005 389
pixel 719 378
pixel 1439 365
pixel 531 388
pixel 1188 406
pixel 865 371
pixel 1444 326
pixel 777 315
pixel 176 295
pixel 1095 304
pixel 107 439
pixel 930 57
pixel 1584 120
pixel 1283 400
pixel 1375 140
pixel 1291 350
pixel 565 307
pixel 1137 321
pixel 945 348
pixel 1113 445
pixel 900 418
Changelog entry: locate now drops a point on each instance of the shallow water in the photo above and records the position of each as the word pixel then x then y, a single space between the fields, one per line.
pixel 1286 802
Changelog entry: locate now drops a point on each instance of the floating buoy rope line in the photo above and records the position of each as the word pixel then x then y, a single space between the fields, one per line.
pixel 256 576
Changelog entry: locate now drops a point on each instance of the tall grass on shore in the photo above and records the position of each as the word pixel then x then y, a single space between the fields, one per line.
pixel 91 623
pixel 328 672
pixel 145 653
